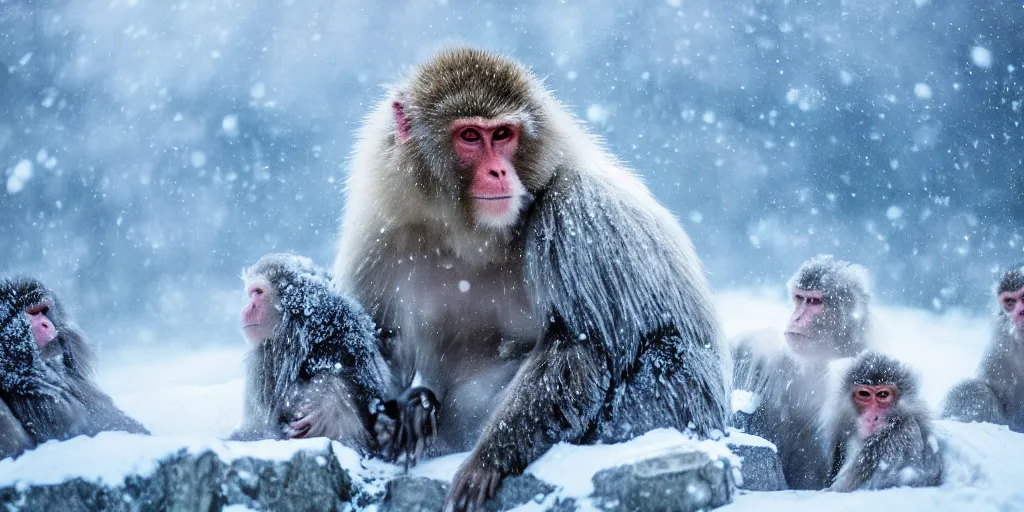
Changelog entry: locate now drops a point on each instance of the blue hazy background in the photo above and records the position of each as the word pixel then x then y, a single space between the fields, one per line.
pixel 149 150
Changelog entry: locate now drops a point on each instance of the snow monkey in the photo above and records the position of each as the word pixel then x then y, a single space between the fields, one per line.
pixel 46 373
pixel 879 429
pixel 315 366
pixel 522 274
pixel 996 395
pixel 829 322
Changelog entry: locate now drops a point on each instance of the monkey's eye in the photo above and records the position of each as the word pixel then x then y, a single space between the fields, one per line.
pixel 470 135
pixel 798 298
pixel 864 393
pixel 256 292
pixel 1009 303
pixel 883 394
pixel 502 133
pixel 814 301
pixel 39 309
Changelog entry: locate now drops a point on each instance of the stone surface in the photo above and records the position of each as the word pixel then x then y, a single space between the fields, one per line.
pixel 310 480
pixel 684 481
pixel 419 494
pixel 761 468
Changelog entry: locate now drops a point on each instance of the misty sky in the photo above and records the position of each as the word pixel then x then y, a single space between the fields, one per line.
pixel 150 150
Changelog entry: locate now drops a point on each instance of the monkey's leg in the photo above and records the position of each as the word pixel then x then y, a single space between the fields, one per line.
pixel 555 396
pixel 973 400
pixel 666 388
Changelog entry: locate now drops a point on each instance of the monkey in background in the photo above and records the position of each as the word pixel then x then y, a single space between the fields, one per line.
pixel 522 274
pixel 996 394
pixel 46 373
pixel 830 321
pixel 879 429
pixel 314 369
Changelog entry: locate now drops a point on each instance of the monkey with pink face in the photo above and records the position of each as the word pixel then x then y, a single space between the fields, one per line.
pixel 521 275
pixel 47 388
pixel 314 369
pixel 879 430
pixel 788 374
pixel 996 394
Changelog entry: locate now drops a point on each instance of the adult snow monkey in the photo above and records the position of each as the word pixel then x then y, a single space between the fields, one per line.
pixel 47 386
pixel 996 394
pixel 522 274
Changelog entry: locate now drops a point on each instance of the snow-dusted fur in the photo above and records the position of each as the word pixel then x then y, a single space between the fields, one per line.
pixel 323 358
pixel 597 277
pixel 996 394
pixel 49 393
pixel 903 452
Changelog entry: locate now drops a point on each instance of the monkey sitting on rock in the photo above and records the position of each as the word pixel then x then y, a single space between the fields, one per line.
pixel 314 369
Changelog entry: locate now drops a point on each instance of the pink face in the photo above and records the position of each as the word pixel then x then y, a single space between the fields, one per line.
pixel 807 304
pixel 1013 305
pixel 873 405
pixel 43 329
pixel 486 147
pixel 261 316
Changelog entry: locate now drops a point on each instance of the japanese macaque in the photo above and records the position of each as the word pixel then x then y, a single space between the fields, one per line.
pixel 996 394
pixel 788 378
pixel 880 430
pixel 527 278
pixel 315 367
pixel 46 373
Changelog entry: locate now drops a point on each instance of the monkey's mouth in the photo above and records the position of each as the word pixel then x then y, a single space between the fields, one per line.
pixel 250 325
pixel 797 340
pixel 492 198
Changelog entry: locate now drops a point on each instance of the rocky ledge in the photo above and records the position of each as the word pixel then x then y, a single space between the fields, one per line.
pixel 663 470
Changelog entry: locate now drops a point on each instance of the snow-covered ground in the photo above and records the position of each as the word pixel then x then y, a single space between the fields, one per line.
pixel 192 398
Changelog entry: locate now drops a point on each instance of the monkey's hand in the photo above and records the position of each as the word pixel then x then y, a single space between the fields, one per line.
pixel 475 482
pixel 406 426
pixel 307 425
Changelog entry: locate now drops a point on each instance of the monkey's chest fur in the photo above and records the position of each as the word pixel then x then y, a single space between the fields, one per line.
pixel 463 329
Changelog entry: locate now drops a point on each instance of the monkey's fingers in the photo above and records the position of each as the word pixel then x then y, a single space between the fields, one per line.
pixel 301 428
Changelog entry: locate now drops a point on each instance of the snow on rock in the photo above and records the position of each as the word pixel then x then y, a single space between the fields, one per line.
pixel 561 464
pixel 111 456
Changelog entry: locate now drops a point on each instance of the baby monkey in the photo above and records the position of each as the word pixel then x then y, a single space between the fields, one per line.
pixel 880 429
pixel 315 367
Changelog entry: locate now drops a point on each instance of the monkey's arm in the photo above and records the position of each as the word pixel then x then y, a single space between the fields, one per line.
pixel 888 458
pixel 973 400
pixel 555 396
pixel 331 408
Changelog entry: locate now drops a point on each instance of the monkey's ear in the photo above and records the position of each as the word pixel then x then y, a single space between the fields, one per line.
pixel 402 132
